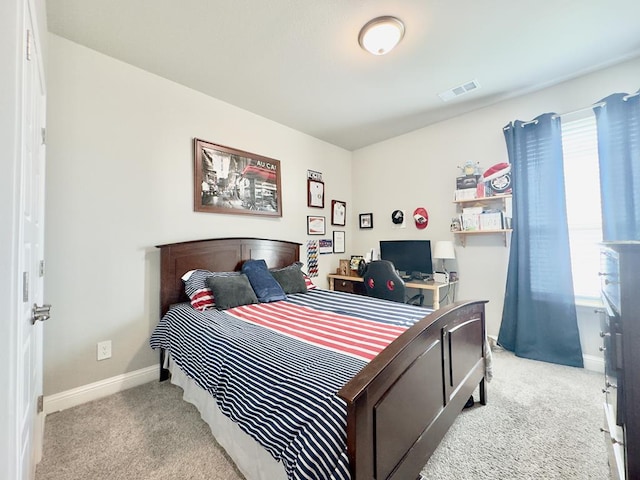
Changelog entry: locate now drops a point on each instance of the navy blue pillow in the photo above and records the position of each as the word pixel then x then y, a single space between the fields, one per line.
pixel 266 287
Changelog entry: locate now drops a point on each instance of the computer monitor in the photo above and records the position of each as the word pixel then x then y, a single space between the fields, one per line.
pixel 410 257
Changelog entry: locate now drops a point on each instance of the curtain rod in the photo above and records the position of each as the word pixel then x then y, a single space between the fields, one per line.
pixel 595 105
pixel 583 109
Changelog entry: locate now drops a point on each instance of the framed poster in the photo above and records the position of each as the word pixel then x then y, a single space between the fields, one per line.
pixel 315 193
pixel 326 246
pixel 338 241
pixel 338 213
pixel 227 180
pixel 315 225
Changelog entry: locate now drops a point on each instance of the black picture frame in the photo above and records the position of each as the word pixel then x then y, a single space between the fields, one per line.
pixel 339 241
pixel 338 213
pixel 366 220
pixel 252 185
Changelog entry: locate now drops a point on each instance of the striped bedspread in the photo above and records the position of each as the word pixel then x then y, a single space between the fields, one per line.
pixel 275 368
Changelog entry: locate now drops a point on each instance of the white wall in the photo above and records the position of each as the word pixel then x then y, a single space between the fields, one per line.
pixel 419 169
pixel 119 182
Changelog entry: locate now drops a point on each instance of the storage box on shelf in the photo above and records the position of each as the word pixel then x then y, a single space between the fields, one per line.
pixel 486 215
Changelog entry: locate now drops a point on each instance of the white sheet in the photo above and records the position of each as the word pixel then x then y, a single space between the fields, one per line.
pixel 252 460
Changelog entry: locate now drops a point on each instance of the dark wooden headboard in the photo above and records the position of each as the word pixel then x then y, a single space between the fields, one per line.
pixel 216 255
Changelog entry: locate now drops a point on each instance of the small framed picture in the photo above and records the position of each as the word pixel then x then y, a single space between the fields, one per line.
pixel 366 220
pixel 338 213
pixel 315 193
pixel 344 267
pixel 315 225
pixel 338 241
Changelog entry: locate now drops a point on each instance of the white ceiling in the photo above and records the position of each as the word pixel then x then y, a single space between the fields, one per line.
pixel 298 62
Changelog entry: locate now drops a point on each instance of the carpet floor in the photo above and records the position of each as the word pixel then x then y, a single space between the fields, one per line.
pixel 542 422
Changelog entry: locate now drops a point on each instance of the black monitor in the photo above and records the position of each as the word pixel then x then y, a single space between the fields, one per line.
pixel 410 257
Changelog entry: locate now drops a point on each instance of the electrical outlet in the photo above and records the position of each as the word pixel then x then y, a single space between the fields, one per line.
pixel 104 350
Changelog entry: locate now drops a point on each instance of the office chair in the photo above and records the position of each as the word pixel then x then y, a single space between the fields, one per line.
pixel 382 281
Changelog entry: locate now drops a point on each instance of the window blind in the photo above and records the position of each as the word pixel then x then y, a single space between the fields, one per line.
pixel 582 184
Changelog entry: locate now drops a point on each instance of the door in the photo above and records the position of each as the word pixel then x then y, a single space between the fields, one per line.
pixel 29 416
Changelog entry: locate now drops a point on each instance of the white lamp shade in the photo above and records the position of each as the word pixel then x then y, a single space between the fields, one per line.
pixel 381 35
pixel 444 249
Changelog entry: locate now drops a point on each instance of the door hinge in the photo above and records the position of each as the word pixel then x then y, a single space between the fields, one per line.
pixel 41 269
pixel 25 286
pixel 40 403
pixel 43 132
pixel 28 48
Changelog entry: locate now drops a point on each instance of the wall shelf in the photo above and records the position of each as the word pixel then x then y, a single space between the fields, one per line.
pixel 484 201
pixel 463 234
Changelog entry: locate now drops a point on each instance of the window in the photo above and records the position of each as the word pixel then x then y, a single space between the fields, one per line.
pixel 582 184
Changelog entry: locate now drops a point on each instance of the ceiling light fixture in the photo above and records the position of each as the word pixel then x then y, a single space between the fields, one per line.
pixel 380 35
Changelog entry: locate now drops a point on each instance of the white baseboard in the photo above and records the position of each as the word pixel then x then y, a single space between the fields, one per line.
pixel 93 391
pixel 594 363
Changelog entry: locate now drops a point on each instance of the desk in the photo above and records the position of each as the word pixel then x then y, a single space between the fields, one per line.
pixel 350 284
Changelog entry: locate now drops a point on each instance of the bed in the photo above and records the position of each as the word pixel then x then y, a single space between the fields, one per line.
pixel 398 405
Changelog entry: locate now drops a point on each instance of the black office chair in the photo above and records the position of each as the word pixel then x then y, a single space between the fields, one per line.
pixel 382 281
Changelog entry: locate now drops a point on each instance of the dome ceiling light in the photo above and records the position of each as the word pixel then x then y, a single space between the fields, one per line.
pixel 380 35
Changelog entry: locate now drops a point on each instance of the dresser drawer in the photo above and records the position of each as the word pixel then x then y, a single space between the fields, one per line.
pixel 619 267
pixel 613 436
pixel 610 279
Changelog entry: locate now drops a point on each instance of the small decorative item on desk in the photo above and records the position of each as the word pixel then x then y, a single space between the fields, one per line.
pixel 453 276
pixel 344 267
pixel 355 264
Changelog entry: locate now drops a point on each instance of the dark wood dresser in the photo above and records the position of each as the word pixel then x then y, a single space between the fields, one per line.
pixel 620 288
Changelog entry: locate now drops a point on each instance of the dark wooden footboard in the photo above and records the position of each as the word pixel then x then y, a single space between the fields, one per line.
pixel 404 401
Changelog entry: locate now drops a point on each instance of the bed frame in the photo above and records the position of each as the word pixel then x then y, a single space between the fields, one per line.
pixel 400 405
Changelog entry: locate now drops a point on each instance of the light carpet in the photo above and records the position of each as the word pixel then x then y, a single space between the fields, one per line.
pixel 542 422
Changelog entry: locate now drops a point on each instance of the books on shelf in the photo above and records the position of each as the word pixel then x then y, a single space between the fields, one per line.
pixel 465 194
pixel 479 218
pixel 491 221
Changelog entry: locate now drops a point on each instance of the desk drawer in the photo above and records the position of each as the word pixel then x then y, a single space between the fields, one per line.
pixel 349 286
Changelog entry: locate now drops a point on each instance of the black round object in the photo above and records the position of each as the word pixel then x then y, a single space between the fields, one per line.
pixel 362 268
pixel 397 217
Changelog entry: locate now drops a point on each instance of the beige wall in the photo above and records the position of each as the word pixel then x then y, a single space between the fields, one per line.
pixel 119 182
pixel 419 169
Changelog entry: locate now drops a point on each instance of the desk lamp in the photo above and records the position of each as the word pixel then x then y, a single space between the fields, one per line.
pixel 444 250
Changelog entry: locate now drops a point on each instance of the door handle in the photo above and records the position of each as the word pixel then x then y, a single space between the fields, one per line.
pixel 41 313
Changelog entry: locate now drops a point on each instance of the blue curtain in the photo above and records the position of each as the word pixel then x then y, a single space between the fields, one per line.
pixel 539 315
pixel 618 120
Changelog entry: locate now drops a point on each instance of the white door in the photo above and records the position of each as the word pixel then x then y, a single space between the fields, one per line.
pixel 30 255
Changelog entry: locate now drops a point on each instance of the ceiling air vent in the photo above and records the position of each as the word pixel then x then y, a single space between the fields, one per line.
pixel 459 90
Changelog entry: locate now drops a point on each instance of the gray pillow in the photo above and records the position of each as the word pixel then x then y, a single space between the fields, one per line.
pixel 291 279
pixel 232 292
